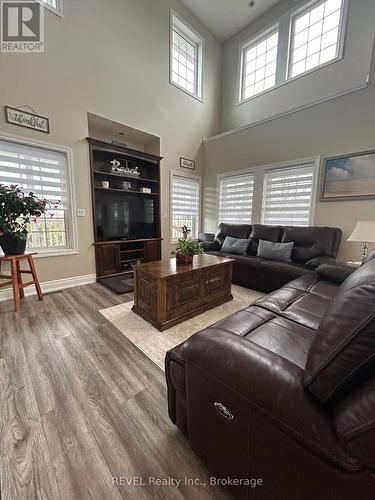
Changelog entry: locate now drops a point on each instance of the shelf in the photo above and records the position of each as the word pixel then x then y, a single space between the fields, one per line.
pixel 125 191
pixel 127 177
pixel 133 250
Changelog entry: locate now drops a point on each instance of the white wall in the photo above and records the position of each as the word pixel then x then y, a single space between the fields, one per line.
pixel 110 58
pixel 340 76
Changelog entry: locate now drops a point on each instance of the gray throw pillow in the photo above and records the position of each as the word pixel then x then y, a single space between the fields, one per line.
pixel 235 245
pixel 275 251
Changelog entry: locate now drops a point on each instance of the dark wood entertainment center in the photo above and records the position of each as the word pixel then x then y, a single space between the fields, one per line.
pixel 117 256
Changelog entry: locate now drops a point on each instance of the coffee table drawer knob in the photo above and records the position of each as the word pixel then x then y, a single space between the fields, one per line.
pixel 223 411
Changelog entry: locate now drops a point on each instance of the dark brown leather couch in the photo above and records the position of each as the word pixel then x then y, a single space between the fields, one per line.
pixel 284 390
pixel 312 246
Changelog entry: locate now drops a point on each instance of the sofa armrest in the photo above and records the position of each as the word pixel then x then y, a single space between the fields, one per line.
pixel 317 261
pixel 209 245
pixel 335 272
pixel 271 385
pixel 206 236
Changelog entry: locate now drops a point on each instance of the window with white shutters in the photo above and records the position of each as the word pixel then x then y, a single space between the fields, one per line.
pixel 185 205
pixel 54 5
pixel 236 199
pixel 287 196
pixel 45 172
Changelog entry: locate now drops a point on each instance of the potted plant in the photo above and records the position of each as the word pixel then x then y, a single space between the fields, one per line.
pixel 17 209
pixel 186 249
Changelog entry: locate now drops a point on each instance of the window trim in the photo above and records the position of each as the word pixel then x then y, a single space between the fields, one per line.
pixel 198 41
pixel 59 10
pixel 187 176
pixel 73 248
pixel 259 173
pixel 234 173
pixel 285 79
pixel 340 42
pixel 247 44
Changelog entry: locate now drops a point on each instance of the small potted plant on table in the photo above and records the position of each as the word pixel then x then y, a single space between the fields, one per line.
pixel 17 209
pixel 186 248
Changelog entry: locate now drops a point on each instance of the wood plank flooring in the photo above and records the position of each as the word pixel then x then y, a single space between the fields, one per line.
pixel 80 405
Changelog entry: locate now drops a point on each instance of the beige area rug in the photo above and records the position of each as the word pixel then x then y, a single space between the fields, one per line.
pixel 155 344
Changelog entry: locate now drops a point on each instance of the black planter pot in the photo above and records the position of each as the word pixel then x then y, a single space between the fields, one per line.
pixel 12 245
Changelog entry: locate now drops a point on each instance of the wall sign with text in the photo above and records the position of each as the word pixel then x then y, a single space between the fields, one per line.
pixel 186 163
pixel 26 119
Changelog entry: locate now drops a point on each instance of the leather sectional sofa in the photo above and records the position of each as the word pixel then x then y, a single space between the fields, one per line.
pixel 283 392
pixel 312 246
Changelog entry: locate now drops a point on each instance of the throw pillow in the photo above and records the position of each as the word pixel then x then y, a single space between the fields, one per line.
pixel 275 251
pixel 235 245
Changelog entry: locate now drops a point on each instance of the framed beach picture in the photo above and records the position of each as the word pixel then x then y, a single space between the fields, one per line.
pixel 349 177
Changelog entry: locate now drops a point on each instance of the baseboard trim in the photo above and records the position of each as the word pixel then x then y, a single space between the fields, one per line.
pixel 52 286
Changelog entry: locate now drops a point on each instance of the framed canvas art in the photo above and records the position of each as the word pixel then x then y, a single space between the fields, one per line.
pixel 349 177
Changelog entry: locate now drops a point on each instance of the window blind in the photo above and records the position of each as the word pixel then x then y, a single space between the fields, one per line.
pixel 42 171
pixel 236 199
pixel 185 205
pixel 287 196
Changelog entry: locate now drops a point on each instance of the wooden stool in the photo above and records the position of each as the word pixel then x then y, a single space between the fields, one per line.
pixel 16 277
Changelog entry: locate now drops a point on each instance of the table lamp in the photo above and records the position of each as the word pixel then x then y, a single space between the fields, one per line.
pixel 364 231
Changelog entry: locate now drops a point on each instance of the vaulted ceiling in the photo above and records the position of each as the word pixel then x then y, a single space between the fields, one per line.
pixel 224 18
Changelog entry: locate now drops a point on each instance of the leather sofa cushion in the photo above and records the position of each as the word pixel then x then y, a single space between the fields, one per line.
pixel 342 354
pixel 275 274
pixel 310 242
pixel 263 232
pixel 246 268
pixel 233 230
pixel 335 272
pixel 355 422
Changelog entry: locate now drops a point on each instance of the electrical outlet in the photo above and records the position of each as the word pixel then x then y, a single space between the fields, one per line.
pixel 81 212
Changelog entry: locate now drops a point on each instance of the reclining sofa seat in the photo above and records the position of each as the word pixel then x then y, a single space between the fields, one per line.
pixel 312 246
pixel 297 396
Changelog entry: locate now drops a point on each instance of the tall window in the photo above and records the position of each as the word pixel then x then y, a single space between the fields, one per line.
pixel 236 199
pixel 45 172
pixel 54 5
pixel 259 61
pixel 287 196
pixel 186 50
pixel 185 205
pixel 315 36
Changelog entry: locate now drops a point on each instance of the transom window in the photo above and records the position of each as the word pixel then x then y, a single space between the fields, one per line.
pixel 236 198
pixel 186 58
pixel 185 205
pixel 45 172
pixel 259 61
pixel 315 36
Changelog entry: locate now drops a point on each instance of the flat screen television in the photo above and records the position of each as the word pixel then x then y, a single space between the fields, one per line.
pixel 125 216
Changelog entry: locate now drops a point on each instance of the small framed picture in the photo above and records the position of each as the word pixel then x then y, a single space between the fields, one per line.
pixel 186 163
pixel 349 177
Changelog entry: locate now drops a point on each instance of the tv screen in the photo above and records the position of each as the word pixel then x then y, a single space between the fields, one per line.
pixel 127 216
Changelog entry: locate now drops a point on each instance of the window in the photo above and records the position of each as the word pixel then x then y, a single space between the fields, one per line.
pixel 287 196
pixel 236 199
pixel 301 41
pixel 186 54
pixel 54 5
pixel 185 205
pixel 259 60
pixel 315 36
pixel 45 172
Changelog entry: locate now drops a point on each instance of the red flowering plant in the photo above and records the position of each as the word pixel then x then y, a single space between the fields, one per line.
pixel 17 209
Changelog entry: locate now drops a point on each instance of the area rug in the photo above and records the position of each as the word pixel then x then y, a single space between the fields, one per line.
pixel 155 344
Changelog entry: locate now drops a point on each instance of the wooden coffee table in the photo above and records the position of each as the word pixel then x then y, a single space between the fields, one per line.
pixel 167 294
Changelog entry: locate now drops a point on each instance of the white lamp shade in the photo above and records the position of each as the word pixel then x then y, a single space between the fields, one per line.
pixel 364 231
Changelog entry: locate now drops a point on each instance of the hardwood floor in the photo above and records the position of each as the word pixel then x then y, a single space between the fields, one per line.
pixel 82 409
